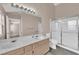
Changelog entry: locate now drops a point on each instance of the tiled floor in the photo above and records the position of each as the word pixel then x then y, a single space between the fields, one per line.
pixel 60 51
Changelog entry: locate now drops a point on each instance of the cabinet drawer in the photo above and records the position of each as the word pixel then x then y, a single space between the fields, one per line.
pixel 36 45
pixel 43 42
pixel 16 52
pixel 40 43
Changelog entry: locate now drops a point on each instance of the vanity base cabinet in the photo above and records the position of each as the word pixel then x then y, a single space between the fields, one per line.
pixel 37 48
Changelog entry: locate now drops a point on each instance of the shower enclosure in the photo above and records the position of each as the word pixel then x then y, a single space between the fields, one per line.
pixel 65 32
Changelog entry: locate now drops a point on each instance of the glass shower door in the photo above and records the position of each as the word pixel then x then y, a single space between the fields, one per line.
pixel 56 32
pixel 70 32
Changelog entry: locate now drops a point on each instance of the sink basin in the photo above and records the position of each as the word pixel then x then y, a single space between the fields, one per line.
pixel 7 46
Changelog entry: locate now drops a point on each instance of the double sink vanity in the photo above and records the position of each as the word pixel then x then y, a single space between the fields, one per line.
pixel 14 30
pixel 26 45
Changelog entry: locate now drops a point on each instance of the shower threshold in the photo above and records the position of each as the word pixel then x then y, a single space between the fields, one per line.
pixel 67 48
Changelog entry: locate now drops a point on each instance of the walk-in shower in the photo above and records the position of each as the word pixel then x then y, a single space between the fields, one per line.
pixel 65 32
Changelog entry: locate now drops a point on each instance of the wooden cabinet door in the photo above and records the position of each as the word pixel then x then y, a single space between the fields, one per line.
pixel 41 47
pixel 28 50
pixel 36 51
pixel 44 46
pixel 44 49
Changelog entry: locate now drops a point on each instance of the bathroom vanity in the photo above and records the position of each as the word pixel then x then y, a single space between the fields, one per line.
pixel 25 46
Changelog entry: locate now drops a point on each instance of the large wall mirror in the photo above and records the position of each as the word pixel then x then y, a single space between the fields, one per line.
pixel 21 24
pixel 13 25
pixel 2 26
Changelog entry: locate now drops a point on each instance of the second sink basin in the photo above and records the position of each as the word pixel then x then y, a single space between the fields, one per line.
pixel 6 46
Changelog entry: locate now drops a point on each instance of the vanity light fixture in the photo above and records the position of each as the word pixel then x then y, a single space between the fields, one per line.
pixel 28 10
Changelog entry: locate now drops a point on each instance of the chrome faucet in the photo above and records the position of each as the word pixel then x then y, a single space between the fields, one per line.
pixel 34 36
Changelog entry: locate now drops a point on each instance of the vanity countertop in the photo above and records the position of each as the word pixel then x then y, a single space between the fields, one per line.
pixel 7 45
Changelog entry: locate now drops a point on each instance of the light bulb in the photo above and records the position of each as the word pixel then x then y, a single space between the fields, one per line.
pixel 17 6
pixel 14 4
pixel 28 10
pixel 21 7
pixel 25 8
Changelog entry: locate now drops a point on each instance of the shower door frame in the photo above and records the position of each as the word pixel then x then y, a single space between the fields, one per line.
pixel 77 27
pixel 59 31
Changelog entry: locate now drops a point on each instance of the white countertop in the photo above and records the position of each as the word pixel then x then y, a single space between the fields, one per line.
pixel 6 45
